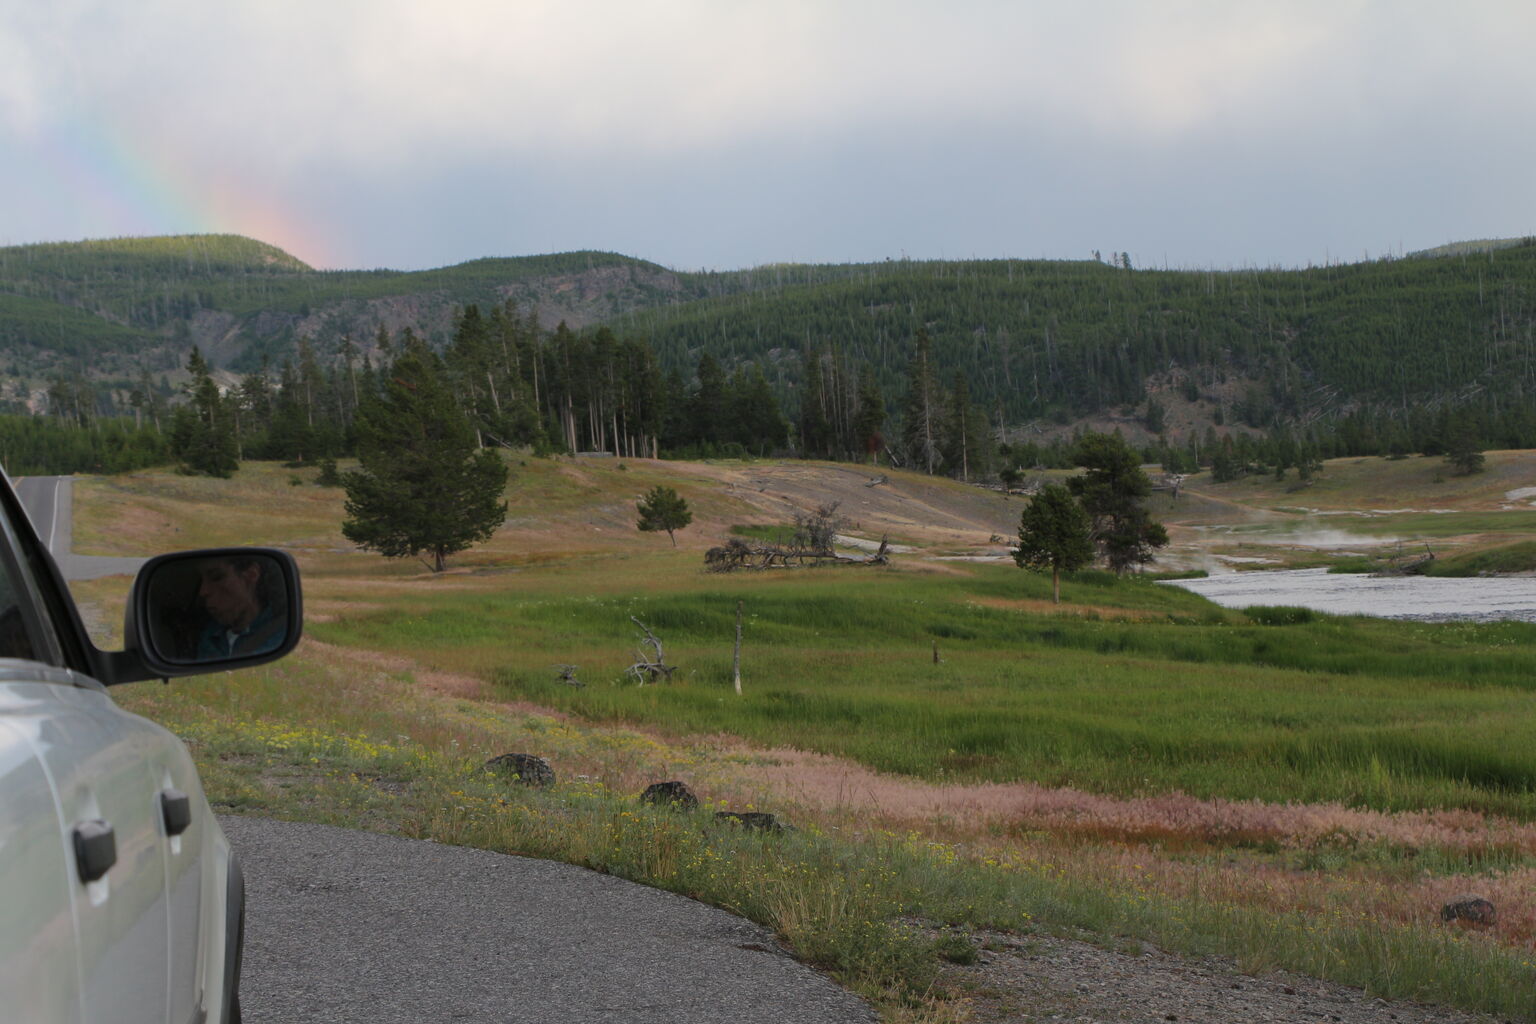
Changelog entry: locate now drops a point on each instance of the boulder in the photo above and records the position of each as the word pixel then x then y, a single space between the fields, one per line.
pixel 527 769
pixel 754 820
pixel 1473 911
pixel 673 794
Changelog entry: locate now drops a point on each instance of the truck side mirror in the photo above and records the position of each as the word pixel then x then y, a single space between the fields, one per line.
pixel 214 609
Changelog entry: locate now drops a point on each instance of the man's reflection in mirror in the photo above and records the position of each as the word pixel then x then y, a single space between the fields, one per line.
pixel 241 597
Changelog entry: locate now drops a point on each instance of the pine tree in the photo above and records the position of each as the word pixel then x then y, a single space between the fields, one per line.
pixel 422 487
pixel 920 431
pixel 815 425
pixel 662 508
pixel 203 431
pixel 869 417
pixel 1054 533
pixel 707 409
pixel 1462 450
pixel 1113 492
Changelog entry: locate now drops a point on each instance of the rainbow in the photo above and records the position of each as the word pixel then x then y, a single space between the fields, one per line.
pixel 127 186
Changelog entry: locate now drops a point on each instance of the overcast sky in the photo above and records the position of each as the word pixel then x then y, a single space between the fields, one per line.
pixel 729 133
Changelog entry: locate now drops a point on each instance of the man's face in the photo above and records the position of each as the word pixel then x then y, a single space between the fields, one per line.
pixel 229 593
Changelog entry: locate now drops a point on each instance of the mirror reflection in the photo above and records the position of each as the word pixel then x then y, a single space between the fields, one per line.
pixel 212 608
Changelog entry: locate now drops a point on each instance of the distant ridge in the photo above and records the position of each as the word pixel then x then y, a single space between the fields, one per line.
pixel 1046 344
pixel 1466 248
pixel 231 251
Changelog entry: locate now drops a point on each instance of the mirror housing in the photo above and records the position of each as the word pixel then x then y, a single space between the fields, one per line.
pixel 211 610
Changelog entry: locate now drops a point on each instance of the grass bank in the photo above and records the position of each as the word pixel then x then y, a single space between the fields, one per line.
pixel 318 739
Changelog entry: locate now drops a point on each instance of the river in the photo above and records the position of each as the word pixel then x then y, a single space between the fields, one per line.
pixel 1430 598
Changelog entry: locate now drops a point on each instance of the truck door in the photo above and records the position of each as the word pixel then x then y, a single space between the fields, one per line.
pixel 39 956
pixel 100 760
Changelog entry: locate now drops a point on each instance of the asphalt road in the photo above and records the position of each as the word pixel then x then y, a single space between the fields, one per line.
pixel 353 927
pixel 49 501
pixel 345 926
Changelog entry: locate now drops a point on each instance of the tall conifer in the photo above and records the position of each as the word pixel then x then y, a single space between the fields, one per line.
pixel 423 487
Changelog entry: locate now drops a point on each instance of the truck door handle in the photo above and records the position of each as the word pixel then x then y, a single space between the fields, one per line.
pixel 175 811
pixel 95 849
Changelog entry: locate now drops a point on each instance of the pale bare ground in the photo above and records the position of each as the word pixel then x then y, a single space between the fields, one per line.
pixel 939 514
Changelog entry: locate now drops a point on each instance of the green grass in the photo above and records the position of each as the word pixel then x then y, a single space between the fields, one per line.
pixel 1448 524
pixel 329 743
pixel 1505 558
pixel 1278 704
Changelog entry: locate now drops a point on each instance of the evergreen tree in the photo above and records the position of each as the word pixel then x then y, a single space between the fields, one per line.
pixel 761 427
pixel 923 415
pixel 662 508
pixel 707 409
pixel 815 423
pixel 1224 464
pixel 1462 450
pixel 869 417
pixel 1113 492
pixel 203 431
pixel 422 486
pixel 964 441
pixel 1054 533
pixel 289 435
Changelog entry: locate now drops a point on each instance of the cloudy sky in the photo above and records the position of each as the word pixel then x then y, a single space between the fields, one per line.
pixel 729 133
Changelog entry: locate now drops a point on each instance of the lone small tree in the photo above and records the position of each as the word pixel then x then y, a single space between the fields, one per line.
pixel 423 485
pixel 1055 533
pixel 662 508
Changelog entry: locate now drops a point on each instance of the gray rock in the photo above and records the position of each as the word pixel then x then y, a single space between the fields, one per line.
pixel 756 820
pixel 528 769
pixel 673 794
pixel 1470 910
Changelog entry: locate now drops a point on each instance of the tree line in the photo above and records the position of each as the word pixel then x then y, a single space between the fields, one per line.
pixel 518 385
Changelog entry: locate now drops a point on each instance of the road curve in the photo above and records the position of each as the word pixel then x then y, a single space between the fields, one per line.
pixel 354 927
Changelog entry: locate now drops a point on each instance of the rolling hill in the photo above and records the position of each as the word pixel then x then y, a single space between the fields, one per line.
pixel 1051 342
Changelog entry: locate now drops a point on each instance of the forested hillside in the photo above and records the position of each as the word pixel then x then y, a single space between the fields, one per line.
pixel 1042 339
pixel 113 308
pixel 1044 342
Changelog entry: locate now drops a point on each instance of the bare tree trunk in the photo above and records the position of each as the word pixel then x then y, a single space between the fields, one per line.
pixel 495 402
pixel 736 656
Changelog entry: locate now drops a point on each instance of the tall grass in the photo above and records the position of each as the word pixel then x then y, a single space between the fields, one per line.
pixel 316 739
pixel 1275 707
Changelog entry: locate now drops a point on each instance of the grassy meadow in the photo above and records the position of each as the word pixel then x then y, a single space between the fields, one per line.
pixel 1134 765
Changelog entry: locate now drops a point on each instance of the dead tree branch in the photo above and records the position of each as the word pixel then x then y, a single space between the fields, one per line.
pixel 648 669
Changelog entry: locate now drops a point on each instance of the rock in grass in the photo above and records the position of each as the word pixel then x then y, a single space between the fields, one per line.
pixel 672 794
pixel 755 820
pixel 528 769
pixel 1473 911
